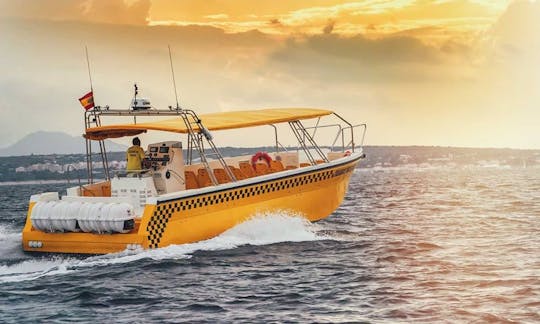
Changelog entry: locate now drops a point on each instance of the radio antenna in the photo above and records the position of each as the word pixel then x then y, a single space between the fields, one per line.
pixel 88 66
pixel 174 80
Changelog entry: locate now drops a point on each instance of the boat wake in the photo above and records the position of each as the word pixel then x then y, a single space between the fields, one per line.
pixel 10 241
pixel 262 229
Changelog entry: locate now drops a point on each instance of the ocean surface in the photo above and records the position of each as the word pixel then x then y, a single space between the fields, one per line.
pixel 407 245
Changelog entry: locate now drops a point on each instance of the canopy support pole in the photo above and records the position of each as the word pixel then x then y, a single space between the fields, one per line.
pixel 302 134
pixel 190 119
pixel 352 132
pixel 92 119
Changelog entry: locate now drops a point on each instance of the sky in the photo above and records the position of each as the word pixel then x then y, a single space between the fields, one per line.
pixel 418 72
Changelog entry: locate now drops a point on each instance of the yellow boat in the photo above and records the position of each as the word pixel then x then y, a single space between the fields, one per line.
pixel 194 193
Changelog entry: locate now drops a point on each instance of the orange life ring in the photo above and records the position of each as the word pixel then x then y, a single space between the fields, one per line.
pixel 259 156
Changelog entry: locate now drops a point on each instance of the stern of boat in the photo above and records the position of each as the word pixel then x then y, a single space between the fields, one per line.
pixel 89 232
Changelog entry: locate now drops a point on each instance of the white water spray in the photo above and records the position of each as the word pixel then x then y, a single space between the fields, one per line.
pixel 262 229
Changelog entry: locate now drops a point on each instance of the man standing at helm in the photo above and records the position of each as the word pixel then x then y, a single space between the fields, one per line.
pixel 135 156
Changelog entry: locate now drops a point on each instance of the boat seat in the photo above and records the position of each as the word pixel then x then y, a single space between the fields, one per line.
pixel 221 176
pixel 304 164
pixel 247 169
pixel 290 167
pixel 320 161
pixel 276 166
pixel 262 169
pixel 203 178
pixel 191 180
pixel 237 173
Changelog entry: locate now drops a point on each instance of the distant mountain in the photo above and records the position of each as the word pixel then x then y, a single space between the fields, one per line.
pixel 54 143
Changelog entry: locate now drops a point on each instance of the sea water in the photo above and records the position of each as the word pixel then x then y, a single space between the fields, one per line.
pixel 407 245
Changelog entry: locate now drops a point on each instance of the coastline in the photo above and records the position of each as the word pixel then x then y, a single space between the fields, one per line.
pixel 30 182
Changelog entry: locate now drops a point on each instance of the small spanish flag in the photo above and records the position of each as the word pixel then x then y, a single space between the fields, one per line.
pixel 87 101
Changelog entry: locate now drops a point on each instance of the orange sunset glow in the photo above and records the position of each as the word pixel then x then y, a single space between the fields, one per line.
pixel 418 72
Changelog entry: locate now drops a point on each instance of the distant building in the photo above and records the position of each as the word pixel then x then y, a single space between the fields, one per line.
pixel 404 158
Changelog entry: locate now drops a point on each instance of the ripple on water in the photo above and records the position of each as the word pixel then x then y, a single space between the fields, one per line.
pixel 438 245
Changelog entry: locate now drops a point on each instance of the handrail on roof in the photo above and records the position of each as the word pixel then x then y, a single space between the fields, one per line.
pixel 213 121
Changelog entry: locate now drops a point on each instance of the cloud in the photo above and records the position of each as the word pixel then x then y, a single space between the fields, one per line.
pixel 408 90
pixel 513 45
pixel 451 18
pixel 133 12
pixel 275 22
pixel 508 76
pixel 517 30
pixel 217 16
pixel 118 11
pixel 329 27
pixel 358 59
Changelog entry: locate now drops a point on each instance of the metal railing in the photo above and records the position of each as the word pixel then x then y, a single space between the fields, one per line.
pixel 195 129
pixel 340 135
pixel 197 133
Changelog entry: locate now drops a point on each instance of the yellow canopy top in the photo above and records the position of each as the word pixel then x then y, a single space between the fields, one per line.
pixel 214 121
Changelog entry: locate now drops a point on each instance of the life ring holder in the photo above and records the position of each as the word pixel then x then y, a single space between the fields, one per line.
pixel 259 156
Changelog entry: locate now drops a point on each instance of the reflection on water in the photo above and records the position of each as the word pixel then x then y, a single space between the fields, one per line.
pixel 406 246
pixel 454 245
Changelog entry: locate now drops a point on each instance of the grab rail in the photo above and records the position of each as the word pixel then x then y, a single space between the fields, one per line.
pixel 351 143
pixel 278 143
pixel 341 134
pixel 340 128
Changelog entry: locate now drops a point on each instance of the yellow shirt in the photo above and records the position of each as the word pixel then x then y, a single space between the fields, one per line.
pixel 134 156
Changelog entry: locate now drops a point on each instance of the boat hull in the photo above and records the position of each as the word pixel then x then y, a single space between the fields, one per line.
pixel 311 192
